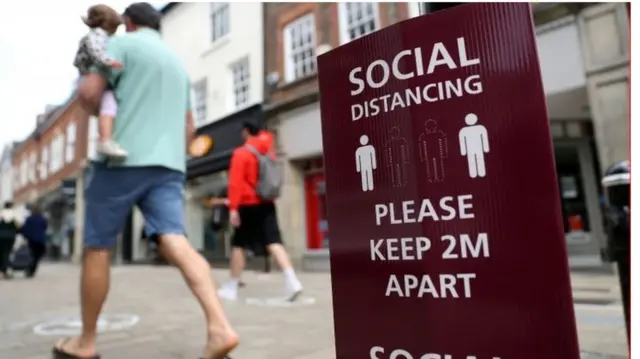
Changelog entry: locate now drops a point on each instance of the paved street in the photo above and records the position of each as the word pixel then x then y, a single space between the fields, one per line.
pixel 169 323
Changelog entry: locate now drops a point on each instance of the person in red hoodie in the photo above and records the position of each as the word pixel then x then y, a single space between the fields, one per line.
pixel 255 220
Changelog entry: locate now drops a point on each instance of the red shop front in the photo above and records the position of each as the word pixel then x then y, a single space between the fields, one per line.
pixel 316 212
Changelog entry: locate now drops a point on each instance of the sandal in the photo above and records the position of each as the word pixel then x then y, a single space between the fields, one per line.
pixel 60 353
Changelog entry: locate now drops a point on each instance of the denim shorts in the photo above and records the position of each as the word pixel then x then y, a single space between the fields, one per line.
pixel 112 192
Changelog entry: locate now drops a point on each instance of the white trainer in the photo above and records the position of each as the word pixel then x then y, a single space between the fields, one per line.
pixel 294 290
pixel 227 293
pixel 111 149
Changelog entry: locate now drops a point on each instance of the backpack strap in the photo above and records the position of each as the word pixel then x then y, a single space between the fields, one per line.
pixel 253 150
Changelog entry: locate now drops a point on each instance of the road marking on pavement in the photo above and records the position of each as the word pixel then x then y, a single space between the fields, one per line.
pixel 280 302
pixel 73 325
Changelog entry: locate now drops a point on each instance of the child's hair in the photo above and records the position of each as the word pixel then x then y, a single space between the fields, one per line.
pixel 104 17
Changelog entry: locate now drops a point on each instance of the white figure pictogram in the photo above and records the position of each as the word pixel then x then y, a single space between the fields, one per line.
pixel 366 163
pixel 474 143
pixel 397 158
pixel 433 149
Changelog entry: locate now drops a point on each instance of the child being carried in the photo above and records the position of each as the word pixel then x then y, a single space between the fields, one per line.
pixel 103 22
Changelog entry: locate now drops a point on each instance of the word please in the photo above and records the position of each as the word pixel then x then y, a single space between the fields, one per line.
pixel 446 209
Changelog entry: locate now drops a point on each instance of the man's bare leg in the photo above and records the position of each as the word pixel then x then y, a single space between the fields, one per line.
pixel 229 290
pixel 294 287
pixel 221 338
pixel 94 287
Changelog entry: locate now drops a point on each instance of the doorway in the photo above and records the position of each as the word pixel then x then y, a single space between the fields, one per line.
pixel 317 225
pixel 580 199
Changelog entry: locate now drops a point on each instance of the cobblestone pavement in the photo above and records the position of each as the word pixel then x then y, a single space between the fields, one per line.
pixel 170 323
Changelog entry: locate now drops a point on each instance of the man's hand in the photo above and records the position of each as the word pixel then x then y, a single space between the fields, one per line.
pixel 115 64
pixel 234 218
pixel 211 202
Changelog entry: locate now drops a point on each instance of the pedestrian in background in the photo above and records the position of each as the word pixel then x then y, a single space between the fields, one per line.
pixel 253 217
pixel 8 230
pixel 34 232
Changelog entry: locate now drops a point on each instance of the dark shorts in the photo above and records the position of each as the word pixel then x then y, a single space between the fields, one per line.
pixel 112 192
pixel 258 226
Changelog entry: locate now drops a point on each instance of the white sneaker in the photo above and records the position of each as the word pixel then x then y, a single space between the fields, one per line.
pixel 294 290
pixel 227 293
pixel 111 149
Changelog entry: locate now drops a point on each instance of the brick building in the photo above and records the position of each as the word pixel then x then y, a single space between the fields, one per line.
pixel 46 166
pixel 295 33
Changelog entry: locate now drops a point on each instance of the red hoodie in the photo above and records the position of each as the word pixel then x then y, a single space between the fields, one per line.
pixel 243 171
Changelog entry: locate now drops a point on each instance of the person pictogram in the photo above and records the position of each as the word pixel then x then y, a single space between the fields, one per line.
pixel 397 158
pixel 474 143
pixel 366 163
pixel 433 149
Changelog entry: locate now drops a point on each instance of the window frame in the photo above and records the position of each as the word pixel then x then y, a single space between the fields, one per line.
pixel 70 143
pixel 290 66
pixel 344 22
pixel 44 162
pixel 243 86
pixel 219 11
pixel 200 97
pixel 32 167
pixel 93 137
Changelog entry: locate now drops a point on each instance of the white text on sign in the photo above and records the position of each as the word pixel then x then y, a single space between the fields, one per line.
pixel 378 352
pixel 379 72
pixel 462 246
pixel 445 209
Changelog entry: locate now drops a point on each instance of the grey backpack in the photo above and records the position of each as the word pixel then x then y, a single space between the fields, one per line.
pixel 270 175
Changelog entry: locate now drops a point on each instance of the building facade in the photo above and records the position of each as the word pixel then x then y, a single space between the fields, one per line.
pixel 295 33
pixel 47 165
pixel 584 56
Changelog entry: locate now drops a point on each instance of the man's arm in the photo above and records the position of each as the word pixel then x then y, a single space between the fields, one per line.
pixel 190 123
pixel 236 177
pixel 93 85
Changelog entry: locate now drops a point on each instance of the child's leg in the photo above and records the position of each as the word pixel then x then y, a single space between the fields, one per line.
pixel 108 110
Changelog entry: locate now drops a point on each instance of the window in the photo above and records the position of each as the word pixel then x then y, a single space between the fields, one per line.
pixel 92 149
pixel 57 153
pixel 52 157
pixel 70 148
pixel 24 174
pixel 357 20
pixel 219 20
pixel 200 102
pixel 240 72
pixel 299 48
pixel 16 178
pixel 44 162
pixel 32 168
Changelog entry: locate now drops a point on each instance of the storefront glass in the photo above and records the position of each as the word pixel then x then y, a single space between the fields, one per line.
pixel 572 193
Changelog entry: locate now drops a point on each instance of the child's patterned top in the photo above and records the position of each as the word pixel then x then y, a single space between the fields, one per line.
pixel 92 51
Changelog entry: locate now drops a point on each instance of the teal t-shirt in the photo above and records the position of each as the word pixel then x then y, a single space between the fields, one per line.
pixel 153 94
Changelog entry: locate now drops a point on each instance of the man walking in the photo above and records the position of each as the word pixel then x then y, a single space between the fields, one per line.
pixel 154 123
pixel 254 218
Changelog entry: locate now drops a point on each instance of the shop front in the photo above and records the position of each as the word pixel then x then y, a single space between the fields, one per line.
pixel 58 206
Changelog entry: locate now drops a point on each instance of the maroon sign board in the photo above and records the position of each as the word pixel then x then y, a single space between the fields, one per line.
pixel 446 234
